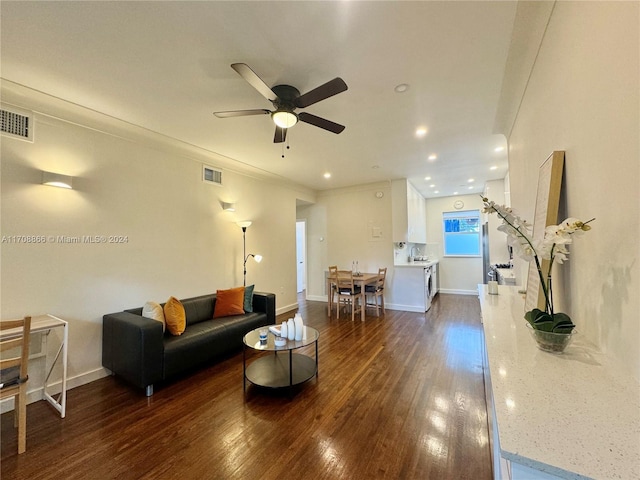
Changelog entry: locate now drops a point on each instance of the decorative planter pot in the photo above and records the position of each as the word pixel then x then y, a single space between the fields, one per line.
pixel 550 341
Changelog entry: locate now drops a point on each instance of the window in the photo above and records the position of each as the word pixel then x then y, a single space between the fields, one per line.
pixel 461 233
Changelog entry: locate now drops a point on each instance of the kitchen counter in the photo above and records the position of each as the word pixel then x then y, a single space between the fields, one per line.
pixel 417 264
pixel 573 416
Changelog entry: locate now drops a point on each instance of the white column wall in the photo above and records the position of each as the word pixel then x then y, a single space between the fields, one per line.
pixel 583 96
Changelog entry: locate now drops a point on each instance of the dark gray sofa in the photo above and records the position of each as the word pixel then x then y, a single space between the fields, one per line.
pixel 136 349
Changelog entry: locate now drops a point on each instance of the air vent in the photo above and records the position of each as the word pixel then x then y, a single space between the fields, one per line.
pixel 16 124
pixel 211 175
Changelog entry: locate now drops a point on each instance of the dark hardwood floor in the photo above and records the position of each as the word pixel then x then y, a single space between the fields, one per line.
pixel 397 397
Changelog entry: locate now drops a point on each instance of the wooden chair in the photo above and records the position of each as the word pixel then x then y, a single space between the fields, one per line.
pixel 376 291
pixel 13 372
pixel 332 287
pixel 349 293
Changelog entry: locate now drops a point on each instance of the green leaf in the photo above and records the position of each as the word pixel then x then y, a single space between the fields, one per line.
pixel 531 315
pixel 562 323
pixel 543 321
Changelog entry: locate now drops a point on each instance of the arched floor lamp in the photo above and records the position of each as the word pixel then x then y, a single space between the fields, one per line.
pixel 257 258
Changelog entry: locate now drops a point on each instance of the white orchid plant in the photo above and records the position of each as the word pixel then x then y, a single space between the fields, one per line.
pixel 552 247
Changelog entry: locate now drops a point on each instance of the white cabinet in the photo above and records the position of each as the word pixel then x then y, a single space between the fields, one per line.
pixel 409 210
pixel 406 290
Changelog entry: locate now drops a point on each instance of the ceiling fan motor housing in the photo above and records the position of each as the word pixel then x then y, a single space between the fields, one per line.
pixel 286 97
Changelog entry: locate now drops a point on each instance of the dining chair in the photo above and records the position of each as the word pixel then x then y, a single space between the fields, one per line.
pixel 332 287
pixel 376 291
pixel 349 293
pixel 13 372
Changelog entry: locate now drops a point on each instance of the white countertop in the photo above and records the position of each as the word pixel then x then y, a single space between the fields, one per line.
pixel 574 415
pixel 416 264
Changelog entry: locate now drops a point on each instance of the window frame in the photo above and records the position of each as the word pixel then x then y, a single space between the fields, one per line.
pixel 473 213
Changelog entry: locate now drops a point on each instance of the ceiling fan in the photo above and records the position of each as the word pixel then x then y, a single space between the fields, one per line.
pixel 285 100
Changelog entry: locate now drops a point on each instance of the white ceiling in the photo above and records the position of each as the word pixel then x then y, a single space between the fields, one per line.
pixel 165 66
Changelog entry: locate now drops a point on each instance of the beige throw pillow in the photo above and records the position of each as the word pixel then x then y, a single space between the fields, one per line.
pixel 154 311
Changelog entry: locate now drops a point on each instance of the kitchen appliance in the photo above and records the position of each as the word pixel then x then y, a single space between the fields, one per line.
pixel 434 280
pixel 428 287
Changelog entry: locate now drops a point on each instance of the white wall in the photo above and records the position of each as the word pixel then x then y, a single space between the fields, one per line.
pixel 343 218
pixel 178 240
pixel 583 97
pixel 498 252
pixel 455 274
pixel 340 230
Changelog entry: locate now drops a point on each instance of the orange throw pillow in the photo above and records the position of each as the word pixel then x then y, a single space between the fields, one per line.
pixel 229 302
pixel 175 316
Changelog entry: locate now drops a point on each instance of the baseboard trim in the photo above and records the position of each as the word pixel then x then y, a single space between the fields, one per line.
pixel 404 308
pixel 286 308
pixel 390 306
pixel 458 292
pixel 55 388
pixel 317 298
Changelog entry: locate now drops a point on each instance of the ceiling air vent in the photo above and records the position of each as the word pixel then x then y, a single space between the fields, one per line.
pixel 211 175
pixel 16 124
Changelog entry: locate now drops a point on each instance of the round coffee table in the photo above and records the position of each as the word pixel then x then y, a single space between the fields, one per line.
pixel 282 367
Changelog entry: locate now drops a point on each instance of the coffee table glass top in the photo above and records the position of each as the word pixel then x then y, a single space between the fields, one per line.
pixel 252 340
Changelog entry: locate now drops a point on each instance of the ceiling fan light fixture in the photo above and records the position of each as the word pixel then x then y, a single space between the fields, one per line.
pixel 284 119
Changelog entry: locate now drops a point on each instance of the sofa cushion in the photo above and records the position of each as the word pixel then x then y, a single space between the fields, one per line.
pixel 229 302
pixel 154 311
pixel 248 299
pixel 200 343
pixel 238 326
pixel 175 316
pixel 199 309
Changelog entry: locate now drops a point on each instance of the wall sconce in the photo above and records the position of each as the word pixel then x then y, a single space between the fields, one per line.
pixel 258 258
pixel 228 207
pixel 57 180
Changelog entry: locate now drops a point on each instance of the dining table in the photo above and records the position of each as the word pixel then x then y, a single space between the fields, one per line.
pixel 359 279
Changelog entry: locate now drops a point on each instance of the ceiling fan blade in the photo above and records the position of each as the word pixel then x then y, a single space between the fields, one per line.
pixel 280 135
pixel 241 113
pixel 320 122
pixel 254 80
pixel 329 89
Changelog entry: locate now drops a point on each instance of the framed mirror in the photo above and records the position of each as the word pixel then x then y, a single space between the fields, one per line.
pixel 547 205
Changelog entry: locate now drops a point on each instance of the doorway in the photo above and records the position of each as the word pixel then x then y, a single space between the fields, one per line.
pixel 301 254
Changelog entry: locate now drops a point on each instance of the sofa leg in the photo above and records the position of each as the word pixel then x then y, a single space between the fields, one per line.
pixel 149 390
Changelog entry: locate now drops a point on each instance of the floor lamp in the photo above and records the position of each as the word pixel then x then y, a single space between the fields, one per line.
pixel 257 258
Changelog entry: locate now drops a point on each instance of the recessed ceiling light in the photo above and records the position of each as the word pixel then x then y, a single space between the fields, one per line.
pixel 471 187
pixel 498 149
pixel 493 167
pixel 427 178
pixel 436 191
pixel 432 185
pixel 471 180
pixel 327 175
pixel 432 157
pixel 421 131
pixel 455 193
pixel 401 88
